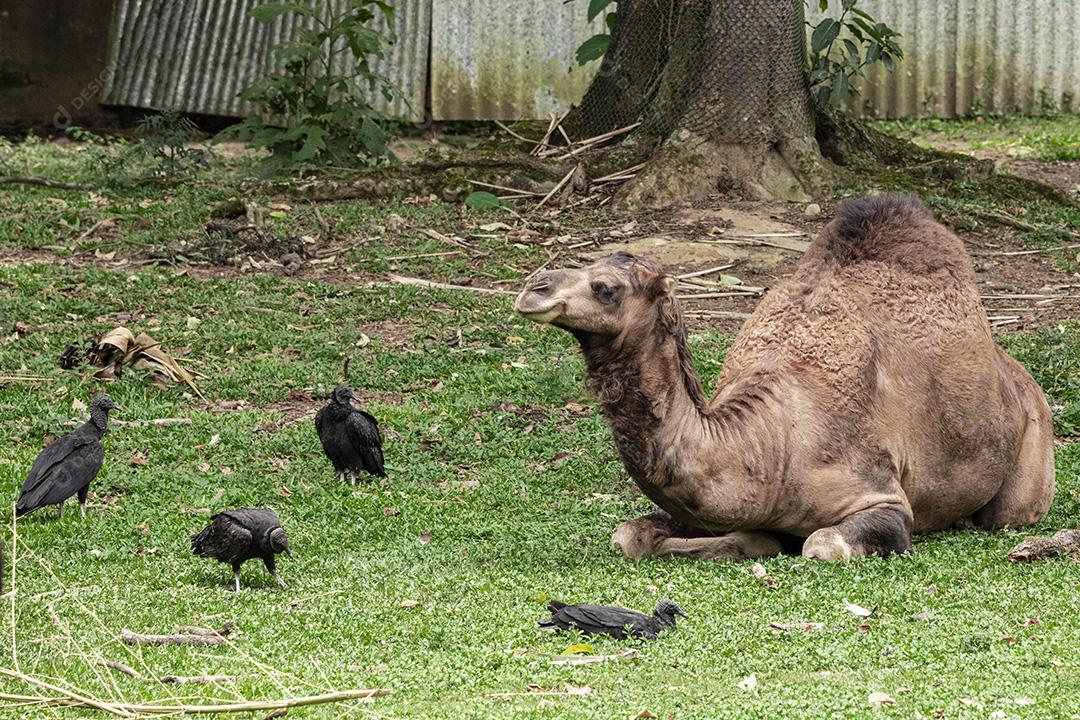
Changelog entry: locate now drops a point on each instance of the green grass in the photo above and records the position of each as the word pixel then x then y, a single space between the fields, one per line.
pixel 1052 138
pixel 532 525
pixel 481 425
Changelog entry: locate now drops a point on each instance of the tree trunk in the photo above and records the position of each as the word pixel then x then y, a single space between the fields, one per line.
pixel 718 86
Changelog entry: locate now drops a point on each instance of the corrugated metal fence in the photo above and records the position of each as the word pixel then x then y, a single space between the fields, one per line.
pixel 492 59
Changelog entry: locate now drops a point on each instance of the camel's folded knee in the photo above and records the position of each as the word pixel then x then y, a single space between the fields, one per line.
pixel 633 540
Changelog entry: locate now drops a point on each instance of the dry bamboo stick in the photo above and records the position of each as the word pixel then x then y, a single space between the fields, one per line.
pixel 558 187
pixel 519 137
pixel 69 694
pixel 708 271
pixel 1013 253
pixel 447 286
pixel 134 638
pixel 157 422
pixel 620 173
pixel 712 295
pixel 503 187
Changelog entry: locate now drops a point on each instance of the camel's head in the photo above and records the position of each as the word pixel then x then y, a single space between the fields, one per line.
pixel 607 298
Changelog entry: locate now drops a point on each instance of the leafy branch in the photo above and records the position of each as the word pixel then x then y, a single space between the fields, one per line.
pixel 865 42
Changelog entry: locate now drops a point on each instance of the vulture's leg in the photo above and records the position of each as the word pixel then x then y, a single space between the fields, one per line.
pixel 882 530
pixel 341 477
pixel 657 534
pixel 271 567
pixel 82 500
pixel 236 576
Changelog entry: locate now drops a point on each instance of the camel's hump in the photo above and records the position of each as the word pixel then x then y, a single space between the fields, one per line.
pixel 892 228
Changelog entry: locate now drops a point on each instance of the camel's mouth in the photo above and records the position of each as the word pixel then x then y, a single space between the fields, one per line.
pixel 537 303
pixel 538 309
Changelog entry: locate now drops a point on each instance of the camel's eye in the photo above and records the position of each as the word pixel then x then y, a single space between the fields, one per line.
pixel 605 294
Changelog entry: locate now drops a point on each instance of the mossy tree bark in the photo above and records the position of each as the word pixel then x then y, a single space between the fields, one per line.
pixel 719 89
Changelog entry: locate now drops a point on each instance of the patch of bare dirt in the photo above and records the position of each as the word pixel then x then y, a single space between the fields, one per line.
pixel 1064 175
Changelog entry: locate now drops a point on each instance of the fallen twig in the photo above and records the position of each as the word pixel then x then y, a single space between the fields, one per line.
pixel 13 180
pixel 393 258
pixel 158 422
pixel 89 231
pixel 714 295
pixel 709 271
pixel 71 698
pixel 1043 548
pixel 1014 253
pixel 200 679
pixel 134 638
pixel 447 286
pixel 126 669
pixel 558 186
pixel 448 239
pixel 519 137
pixel 516 191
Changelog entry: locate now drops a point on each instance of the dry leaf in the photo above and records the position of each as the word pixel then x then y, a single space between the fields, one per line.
pixel 758 570
pixel 144 528
pixel 877 699
pixel 226 470
pixel 1023 701
pixel 566 659
pixel 214 440
pixel 139 457
pixel 203 467
pixel 409 603
pixel 425 537
pixel 643 715
pixel 748 683
pixel 285 492
pixel 193 322
pixel 579 649
pixel 78 405
pixel 390 511
pixel 857 609
pixel 864 626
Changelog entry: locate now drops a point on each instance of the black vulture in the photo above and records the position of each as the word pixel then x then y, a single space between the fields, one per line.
pixel 615 621
pixel 68 465
pixel 350 437
pixel 236 536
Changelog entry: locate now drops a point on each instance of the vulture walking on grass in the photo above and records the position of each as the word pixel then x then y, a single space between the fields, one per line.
pixel 618 622
pixel 350 437
pixel 236 536
pixel 68 465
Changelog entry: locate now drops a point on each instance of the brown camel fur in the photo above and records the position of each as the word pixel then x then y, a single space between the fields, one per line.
pixel 864 399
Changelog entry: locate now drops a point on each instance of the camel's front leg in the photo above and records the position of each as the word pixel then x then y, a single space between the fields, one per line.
pixel 878 531
pixel 657 534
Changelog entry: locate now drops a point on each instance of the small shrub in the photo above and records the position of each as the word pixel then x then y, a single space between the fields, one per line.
pixel 326 117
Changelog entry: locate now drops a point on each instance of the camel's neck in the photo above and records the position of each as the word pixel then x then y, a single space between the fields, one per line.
pixel 673 442
pixel 646 388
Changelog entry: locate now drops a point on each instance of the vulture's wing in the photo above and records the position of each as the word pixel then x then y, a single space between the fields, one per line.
pixel 363 431
pixel 224 539
pixel 61 470
pixel 599 618
pixel 320 417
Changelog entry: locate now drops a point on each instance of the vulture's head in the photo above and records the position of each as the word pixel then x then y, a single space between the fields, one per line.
pixel 278 542
pixel 343 395
pixel 666 610
pixel 99 410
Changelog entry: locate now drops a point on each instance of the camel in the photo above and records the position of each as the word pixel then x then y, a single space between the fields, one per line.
pixel 863 401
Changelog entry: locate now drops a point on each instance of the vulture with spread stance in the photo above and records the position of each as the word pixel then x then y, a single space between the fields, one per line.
pixel 615 621
pixel 236 536
pixel 350 437
pixel 68 465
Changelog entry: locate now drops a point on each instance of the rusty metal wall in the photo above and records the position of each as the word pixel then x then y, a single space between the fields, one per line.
pixel 965 56
pixel 492 59
pixel 499 60
pixel 197 55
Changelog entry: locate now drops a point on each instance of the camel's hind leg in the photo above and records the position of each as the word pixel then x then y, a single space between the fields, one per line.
pixel 881 530
pixel 1024 498
pixel 657 534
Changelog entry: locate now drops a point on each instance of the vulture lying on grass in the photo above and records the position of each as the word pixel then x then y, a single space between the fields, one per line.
pixel 68 465
pixel 350 437
pixel 615 621
pixel 236 536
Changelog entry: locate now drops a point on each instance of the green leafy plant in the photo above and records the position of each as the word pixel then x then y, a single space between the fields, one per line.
pixel 841 47
pixel 595 47
pixel 163 151
pixel 483 200
pixel 312 111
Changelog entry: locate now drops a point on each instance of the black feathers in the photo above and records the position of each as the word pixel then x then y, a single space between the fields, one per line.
pixel 615 621
pixel 68 465
pixel 235 536
pixel 350 437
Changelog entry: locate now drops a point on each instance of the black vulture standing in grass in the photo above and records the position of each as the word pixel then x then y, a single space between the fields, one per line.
pixel 350 437
pixel 68 465
pixel 615 621
pixel 236 536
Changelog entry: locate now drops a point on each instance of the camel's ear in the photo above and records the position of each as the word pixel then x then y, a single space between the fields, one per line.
pixel 661 285
pixel 667 284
